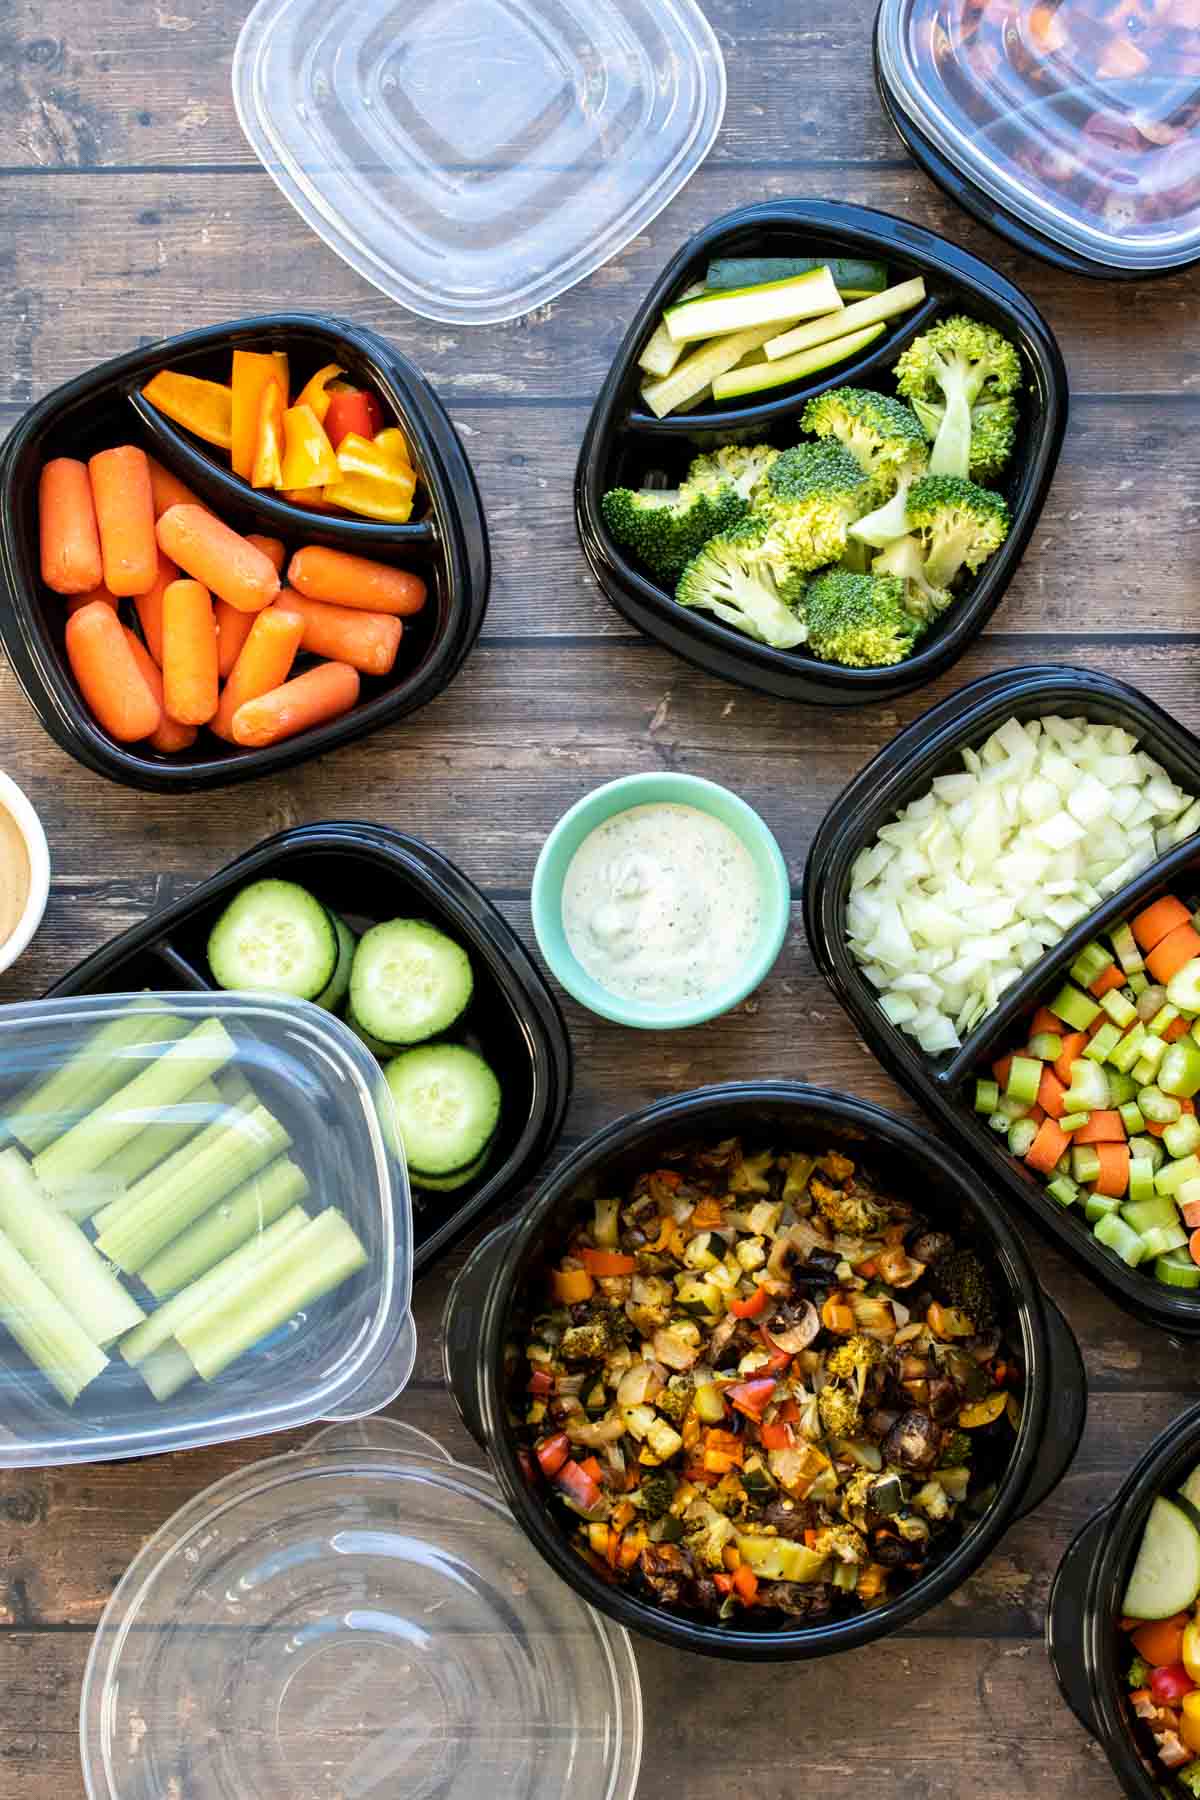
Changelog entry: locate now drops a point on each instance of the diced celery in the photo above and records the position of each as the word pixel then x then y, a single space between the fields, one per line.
pixel 1183 1137
pixel 1021 1136
pixel 1177 1269
pixel 1155 1209
pixel 1149 1148
pixel 1089 1087
pixel 1063 1189
pixel 1138 983
pixel 1162 1238
pixel 1171 1177
pixel 1074 1007
pixel 1129 1050
pixel 1159 1108
pixel 1046 1046
pixel 1024 1079
pixel 1085 1163
pixel 1179 1072
pixel 1141 1179
pixel 1073 1121
pixel 1152 1051
pixel 1125 946
pixel 1131 1117
pixel 1115 1235
pixel 1091 962
pixel 1183 989
pixel 1119 1008
pixel 987 1096
pixel 1103 1042
pixel 1099 1206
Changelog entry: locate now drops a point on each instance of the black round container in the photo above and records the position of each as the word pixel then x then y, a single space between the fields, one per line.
pixel 448 545
pixel 624 444
pixel 1082 1634
pixel 486 1302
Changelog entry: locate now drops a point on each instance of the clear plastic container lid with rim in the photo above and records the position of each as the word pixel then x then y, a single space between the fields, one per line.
pixel 205 1225
pixel 362 1619
pixel 1081 117
pixel 475 158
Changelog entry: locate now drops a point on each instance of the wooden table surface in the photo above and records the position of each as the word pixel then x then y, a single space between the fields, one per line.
pixel 131 209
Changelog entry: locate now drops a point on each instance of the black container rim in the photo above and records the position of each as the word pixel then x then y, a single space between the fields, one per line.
pixel 811 1640
pixel 898 773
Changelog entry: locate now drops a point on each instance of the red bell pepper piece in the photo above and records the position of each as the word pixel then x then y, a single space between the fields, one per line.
pixel 776 1435
pixel 752 1397
pixel 591 1468
pixel 552 1453
pixel 540 1382
pixel 723 1584
pixel 751 1306
pixel 352 409
pixel 578 1485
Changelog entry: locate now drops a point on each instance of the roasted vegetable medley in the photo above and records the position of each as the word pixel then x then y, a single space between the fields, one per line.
pixel 760 1381
pixel 1160 1655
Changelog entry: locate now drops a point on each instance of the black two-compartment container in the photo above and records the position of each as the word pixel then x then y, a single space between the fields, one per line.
pixel 503 1284
pixel 368 873
pixel 625 445
pixel 944 1085
pixel 1087 1649
pixel 446 542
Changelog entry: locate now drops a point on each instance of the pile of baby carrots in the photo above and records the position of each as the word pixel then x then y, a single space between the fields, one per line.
pixel 218 631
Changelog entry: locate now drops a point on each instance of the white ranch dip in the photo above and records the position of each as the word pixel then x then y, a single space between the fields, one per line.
pixel 661 904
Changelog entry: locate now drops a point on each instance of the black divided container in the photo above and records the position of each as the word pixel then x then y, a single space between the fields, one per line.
pixel 368 873
pixel 944 1084
pixel 1083 1637
pixel 446 542
pixel 501 1285
pixel 625 445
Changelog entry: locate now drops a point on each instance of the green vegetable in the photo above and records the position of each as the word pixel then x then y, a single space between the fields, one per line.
pixel 1131 1117
pixel 274 937
pixel 1063 1189
pixel 1159 1108
pixel 1104 1042
pixel 852 276
pixel 1091 963
pixel 1189 1777
pixel 1179 1071
pixel 1046 1046
pixel 1076 1009
pixel 860 621
pixel 1183 989
pixel 960 524
pixel 1021 1137
pixel 987 1096
pixel 1115 1235
pixel 905 558
pixel 695 373
pixel 993 433
pixel 754 379
pixel 156 1140
pixel 664 528
pixel 742 467
pixel 1183 1137
pixel 957 364
pixel 731 310
pixel 1141 1179
pixel 1128 1051
pixel 885 440
pixel 62 1255
pixel 1088 1091
pixel 747 582
pixel 1177 1269
pixel 812 494
pixel 1144 1214
pixel 1138 1672
pixel 217 1233
pixel 49 1335
pixel 1171 1177
pixel 1125 945
pixel 864 315
pixel 1024 1079
pixel 1166 1572
pixel 1099 1206
pixel 1120 1010
pixel 1085 1163
pixel 661 353
pixel 101 1064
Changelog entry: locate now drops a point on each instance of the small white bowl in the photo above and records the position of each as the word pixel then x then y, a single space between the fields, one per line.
pixel 20 810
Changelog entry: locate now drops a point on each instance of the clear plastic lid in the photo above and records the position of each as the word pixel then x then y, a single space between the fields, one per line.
pixel 360 1620
pixel 205 1225
pixel 1082 117
pixel 474 158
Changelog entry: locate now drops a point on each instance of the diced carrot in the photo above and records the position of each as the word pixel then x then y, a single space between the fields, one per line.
pixel 76 601
pixel 320 694
pixel 149 606
pixel 1154 922
pixel 1113 1179
pixel 1073 1046
pixel 271 547
pixel 167 490
pixel 745 1584
pixel 1191 1215
pixel 1113 977
pixel 346 580
pixel 1002 1070
pixel 1161 1641
pixel 1171 953
pixel 220 559
pixel 124 503
pixel 368 641
pixel 70 537
pixel 190 682
pixel 1047 1147
pixel 109 679
pixel 1050 1094
pixel 1153 1130
pixel 1096 1025
pixel 1175 1030
pixel 1044 1020
pixel 1036 1113
pixel 233 628
pixel 265 663
pixel 1101 1128
pixel 1194 1246
pixel 170 736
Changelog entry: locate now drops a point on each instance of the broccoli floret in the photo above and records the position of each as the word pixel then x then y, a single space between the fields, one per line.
pixel 993 433
pixel 957 363
pixel 657 1490
pixel 1138 1673
pixel 584 1343
pixel 812 494
pixel 960 1279
pixel 842 1541
pixel 955 1453
pixel 1189 1778
pixel 746 580
pixel 882 434
pixel 959 524
pixel 664 528
pixel 860 621
pixel 743 467
pixel 675 1398
pixel 839 1410
pixel 905 558
pixel 848 1209
pixel 854 1359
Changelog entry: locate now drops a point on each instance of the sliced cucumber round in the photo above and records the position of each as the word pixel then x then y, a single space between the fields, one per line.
pixel 446 1184
pixel 375 1045
pixel 409 981
pixel 1166 1574
pixel 447 1103
pixel 273 937
pixel 331 996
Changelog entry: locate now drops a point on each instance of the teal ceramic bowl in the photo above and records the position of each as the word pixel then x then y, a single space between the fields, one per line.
pixel 642 790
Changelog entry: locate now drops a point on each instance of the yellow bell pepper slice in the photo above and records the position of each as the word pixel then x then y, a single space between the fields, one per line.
pixel 1191 1649
pixel 308 458
pixel 375 478
pixel 253 372
pixel 202 407
pixel 266 470
pixel 314 392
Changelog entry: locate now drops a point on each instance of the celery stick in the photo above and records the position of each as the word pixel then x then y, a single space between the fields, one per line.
pixel 44 1110
pixel 149 1221
pixel 57 1250
pixel 166 1130
pixel 87 1196
pixel 232 1086
pixel 188 1062
pixel 173 1169
pixel 255 1205
pixel 162 1324
pixel 314 1262
pixel 44 1328
pixel 166 1370
pixel 901 298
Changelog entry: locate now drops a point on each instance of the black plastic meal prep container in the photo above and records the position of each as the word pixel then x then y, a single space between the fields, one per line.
pixel 1083 1633
pixel 625 445
pixel 944 1084
pixel 501 1284
pixel 368 873
pixel 446 543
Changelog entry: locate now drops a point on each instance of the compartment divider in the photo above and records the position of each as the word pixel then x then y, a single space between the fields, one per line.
pixel 184 971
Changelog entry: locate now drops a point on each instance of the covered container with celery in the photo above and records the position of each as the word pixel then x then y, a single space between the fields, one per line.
pixel 205 1225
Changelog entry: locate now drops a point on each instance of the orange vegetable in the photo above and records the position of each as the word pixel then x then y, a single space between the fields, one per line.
pixel 1050 1094
pixel 70 537
pixel 124 502
pixel 1113 1179
pixel 1002 1070
pixel 270 547
pixel 233 628
pixel 347 580
pixel 170 736
pixel 1072 1049
pixel 368 641
pixel 1171 953
pixel 202 407
pixel 1047 1147
pixel 745 1583
pixel 168 490
pixel 225 563
pixel 707 1214
pixel 190 682
pixel 75 601
pixel 1044 1020
pixel 836 1315
pixel 1101 1128
pixel 253 371
pixel 110 681
pixel 1175 1030
pixel 1112 977
pixel 313 498
pixel 570 1286
pixel 264 663
pixel 308 458
pixel 149 606
pixel 315 392
pixel 1191 1215
pixel 1154 922
pixel 607 1262
pixel 1161 1641
pixel 267 468
pixel 320 694
pixel 1194 1246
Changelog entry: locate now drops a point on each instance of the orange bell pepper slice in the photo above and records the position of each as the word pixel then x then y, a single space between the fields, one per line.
pixel 308 458
pixel 202 407
pixel 253 372
pixel 267 467
pixel 315 392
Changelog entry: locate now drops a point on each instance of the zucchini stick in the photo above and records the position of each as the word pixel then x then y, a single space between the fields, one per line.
pixel 57 1250
pixel 314 1262
pixel 188 1062
pixel 44 1110
pixel 44 1328
pixel 899 299
pixel 225 1226
pixel 169 1127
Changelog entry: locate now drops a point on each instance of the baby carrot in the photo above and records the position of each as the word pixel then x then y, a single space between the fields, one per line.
pixel 1113 1179
pixel 1153 922
pixel 76 601
pixel 224 562
pixel 272 547
pixel 1049 1144
pixel 233 628
pixel 368 641
pixel 70 539
pixel 124 502
pixel 1172 952
pixel 320 694
pixel 190 686
pixel 346 580
pixel 167 490
pixel 171 735
pixel 111 682
pixel 149 606
pixel 265 662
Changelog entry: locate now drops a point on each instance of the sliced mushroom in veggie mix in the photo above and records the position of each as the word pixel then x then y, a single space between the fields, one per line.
pixel 760 1381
